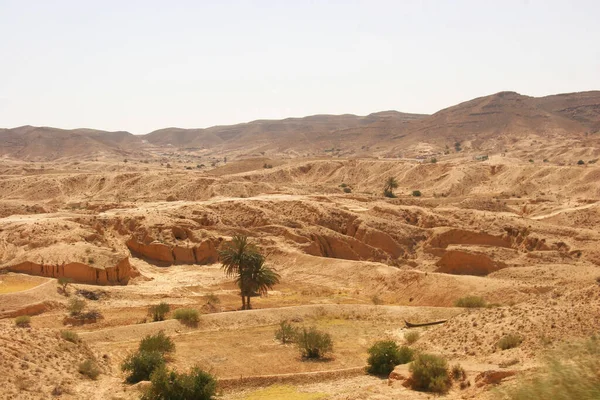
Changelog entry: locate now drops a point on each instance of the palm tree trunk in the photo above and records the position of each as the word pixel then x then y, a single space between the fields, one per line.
pixel 243 302
pixel 248 303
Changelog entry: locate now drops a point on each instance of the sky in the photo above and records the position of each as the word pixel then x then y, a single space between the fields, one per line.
pixel 139 66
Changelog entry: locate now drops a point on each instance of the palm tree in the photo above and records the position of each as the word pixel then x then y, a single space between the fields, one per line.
pixel 257 279
pixel 390 185
pixel 237 256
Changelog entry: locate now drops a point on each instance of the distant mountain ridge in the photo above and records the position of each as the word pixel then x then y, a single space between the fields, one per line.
pixel 487 122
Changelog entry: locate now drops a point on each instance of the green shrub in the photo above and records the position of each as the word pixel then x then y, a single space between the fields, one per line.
pixel 580 162
pixel 171 385
pixel 429 373
pixel 433 160
pixel 347 190
pixel 76 306
pixel 23 321
pixel 70 336
pixel 569 373
pixel 89 369
pixel 385 355
pixel 64 283
pixel 141 364
pixel 286 333
pixel 470 302
pixel 416 193
pixel 159 311
pixel 510 341
pixel 314 344
pixel 458 373
pixel 212 299
pixel 159 342
pixel 343 185
pixel 389 193
pixel 187 316
pixel 411 336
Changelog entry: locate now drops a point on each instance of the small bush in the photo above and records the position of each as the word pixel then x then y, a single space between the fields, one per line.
pixel 159 311
pixel 89 369
pixel 213 299
pixel 187 316
pixel 160 343
pixel 286 333
pixel 389 193
pixel 64 283
pixel 347 190
pixel 385 355
pixel 411 336
pixel 70 336
pixel 76 306
pixel 429 373
pixel 267 166
pixel 416 193
pixel 530 160
pixel 23 321
pixel 314 344
pixel 458 373
pixel 141 364
pixel 470 302
pixel 196 384
pixel 510 341
pixel 580 162
pixel 433 160
pixel 343 185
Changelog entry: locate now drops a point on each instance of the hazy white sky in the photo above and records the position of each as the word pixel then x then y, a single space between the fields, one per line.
pixel 144 65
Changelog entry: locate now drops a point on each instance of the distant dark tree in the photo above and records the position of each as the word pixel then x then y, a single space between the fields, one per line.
pixel 390 184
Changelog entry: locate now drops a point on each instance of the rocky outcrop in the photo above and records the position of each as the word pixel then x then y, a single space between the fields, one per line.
pixel 492 377
pixel 442 238
pixel 203 253
pixel 81 273
pixel 461 262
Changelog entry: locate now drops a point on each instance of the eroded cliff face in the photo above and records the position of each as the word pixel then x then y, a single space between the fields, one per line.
pixel 120 274
pixel 202 253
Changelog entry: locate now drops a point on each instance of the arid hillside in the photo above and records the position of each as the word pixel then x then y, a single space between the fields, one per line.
pixel 498 123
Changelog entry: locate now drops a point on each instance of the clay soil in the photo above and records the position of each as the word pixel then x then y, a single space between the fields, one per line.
pixel 358 265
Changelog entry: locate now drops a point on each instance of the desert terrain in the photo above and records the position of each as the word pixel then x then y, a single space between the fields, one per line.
pixel 497 198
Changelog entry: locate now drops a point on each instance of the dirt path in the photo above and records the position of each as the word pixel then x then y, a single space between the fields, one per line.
pixel 564 210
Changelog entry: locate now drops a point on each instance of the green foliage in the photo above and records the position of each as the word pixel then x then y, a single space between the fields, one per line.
pixel 343 185
pixel 470 302
pixel 256 278
pixel 267 166
pixel 416 193
pixel 390 184
pixel 76 306
pixel 385 355
pixel 70 336
pixel 580 162
pixel 458 373
pixel 171 385
pixel 23 321
pixel 159 311
pixel 411 336
pixel 429 373
pixel 314 344
pixel 187 316
pixel 433 160
pixel 457 146
pixel 530 160
pixel 569 373
pixel 510 341
pixel 64 283
pixel 159 342
pixel 347 190
pixel 89 368
pixel 141 364
pixel 286 333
